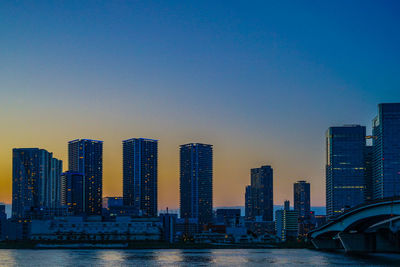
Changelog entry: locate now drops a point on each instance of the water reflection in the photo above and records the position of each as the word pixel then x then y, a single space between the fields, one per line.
pixel 194 256
pixel 7 257
pixel 168 257
pixel 176 257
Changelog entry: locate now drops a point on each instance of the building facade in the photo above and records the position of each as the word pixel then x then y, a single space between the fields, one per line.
pixel 386 151
pixel 72 192
pixel 76 229
pixel 259 196
pixel 86 157
pixel 109 202
pixel 369 185
pixel 36 181
pixel 345 168
pixel 301 197
pixel 286 223
pixel 247 203
pixel 140 171
pixel 228 217
pixel 196 182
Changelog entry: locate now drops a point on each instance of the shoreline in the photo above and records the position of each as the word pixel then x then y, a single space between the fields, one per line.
pixel 144 245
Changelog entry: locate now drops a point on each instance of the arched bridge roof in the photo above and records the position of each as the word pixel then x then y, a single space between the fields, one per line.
pixel 371 211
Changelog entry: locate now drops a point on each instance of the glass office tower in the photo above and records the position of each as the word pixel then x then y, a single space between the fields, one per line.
pixel 36 181
pixel 259 196
pixel 301 191
pixel 386 151
pixel 345 168
pixel 196 182
pixel 369 158
pixel 140 159
pixel 86 157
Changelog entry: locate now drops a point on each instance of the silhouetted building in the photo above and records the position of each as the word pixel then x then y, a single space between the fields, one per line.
pixel 53 184
pixel 286 205
pixel 345 171
pixel 36 181
pixel 114 206
pixel 248 203
pixel 196 182
pixel 228 217
pixel 386 143
pixel 369 157
pixel 320 220
pixel 306 224
pixel 168 221
pixel 286 223
pixel 109 202
pixel 259 196
pixel 301 191
pixel 72 192
pixel 186 228
pixel 3 221
pixel 86 157
pixel 140 158
pixel 260 228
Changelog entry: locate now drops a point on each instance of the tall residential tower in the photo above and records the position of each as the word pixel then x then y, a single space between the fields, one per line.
pixel 36 181
pixel 140 157
pixel 196 182
pixel 301 197
pixel 85 157
pixel 259 195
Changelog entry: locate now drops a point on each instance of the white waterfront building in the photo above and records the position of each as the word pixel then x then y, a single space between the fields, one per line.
pixel 94 229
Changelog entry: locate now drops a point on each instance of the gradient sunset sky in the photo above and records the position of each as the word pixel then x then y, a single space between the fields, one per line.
pixel 259 80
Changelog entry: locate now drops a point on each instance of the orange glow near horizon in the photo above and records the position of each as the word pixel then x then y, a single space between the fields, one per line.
pixel 232 165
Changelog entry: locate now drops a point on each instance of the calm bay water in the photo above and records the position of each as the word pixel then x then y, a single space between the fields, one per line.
pixel 213 257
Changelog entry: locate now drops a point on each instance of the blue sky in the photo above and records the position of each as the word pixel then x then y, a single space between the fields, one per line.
pixel 261 80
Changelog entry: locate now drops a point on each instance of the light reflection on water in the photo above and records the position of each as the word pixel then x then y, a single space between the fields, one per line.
pixel 189 257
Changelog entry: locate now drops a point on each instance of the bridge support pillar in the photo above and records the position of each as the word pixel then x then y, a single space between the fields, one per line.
pixel 326 244
pixel 358 242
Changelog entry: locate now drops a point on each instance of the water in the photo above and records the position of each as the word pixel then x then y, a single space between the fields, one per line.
pixel 190 257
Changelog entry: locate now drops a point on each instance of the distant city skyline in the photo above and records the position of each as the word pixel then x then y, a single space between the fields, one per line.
pixel 261 82
pixel 177 207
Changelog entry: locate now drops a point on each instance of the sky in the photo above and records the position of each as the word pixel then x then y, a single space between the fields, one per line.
pixel 259 80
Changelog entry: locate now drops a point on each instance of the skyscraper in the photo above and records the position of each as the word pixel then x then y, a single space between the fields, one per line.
pixel 53 184
pixel 386 151
pixel 259 196
pixel 86 157
pixel 196 182
pixel 248 203
pixel 140 158
pixel 368 159
pixel 301 191
pixel 36 181
pixel 72 192
pixel 345 168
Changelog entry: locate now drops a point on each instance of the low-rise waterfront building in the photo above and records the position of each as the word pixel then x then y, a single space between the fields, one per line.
pixel 228 217
pixel 94 229
pixel 286 224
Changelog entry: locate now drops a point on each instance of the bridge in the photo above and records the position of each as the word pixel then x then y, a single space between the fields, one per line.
pixel 371 227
